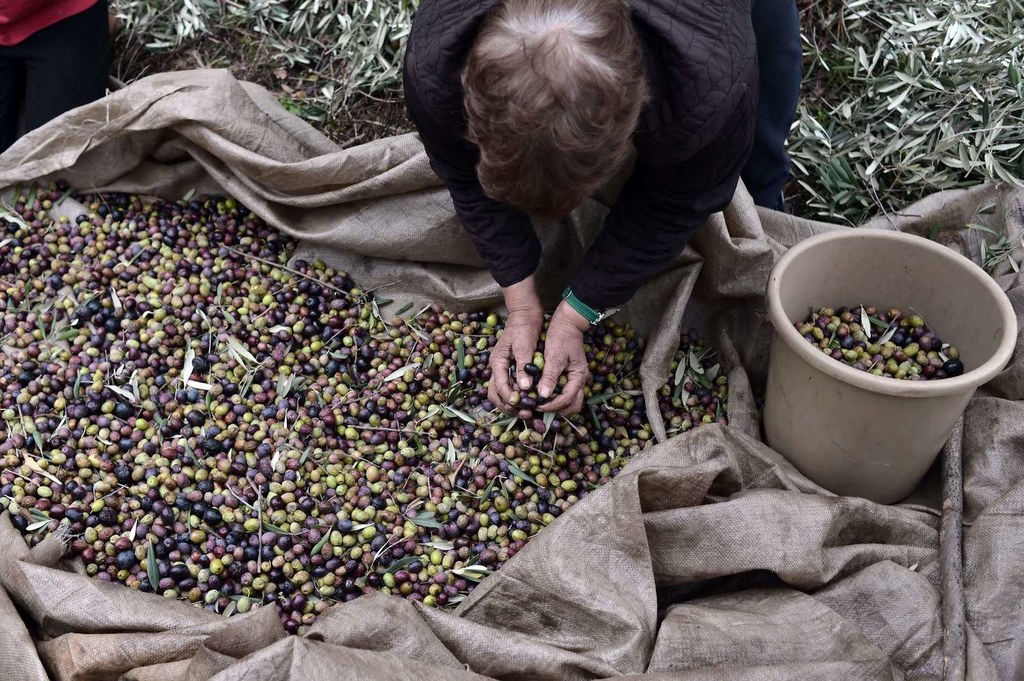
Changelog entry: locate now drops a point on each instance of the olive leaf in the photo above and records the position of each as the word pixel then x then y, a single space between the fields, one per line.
pixel 13 217
pixel 518 472
pixel 712 373
pixel 601 398
pixel 134 383
pixel 38 525
pixel 486 494
pixel 878 322
pixel 472 572
pixel 279 328
pixel 405 308
pixel 134 530
pixel 438 544
pixel 151 569
pixel 680 371
pixel 426 519
pixel 246 384
pixel 887 336
pixel 459 414
pixel 398 373
pixel 230 610
pixel 451 456
pixel 284 384
pixel 36 468
pixel 319 546
pixel 124 393
pixel 695 363
pixel 865 323
pixel 460 352
pixel 703 380
pixel 421 334
pixel 115 300
pixel 239 352
pixel 549 418
pixel 402 563
pixel 677 391
pixel 186 370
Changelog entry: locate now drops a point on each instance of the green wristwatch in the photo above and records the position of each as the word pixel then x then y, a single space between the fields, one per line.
pixel 589 313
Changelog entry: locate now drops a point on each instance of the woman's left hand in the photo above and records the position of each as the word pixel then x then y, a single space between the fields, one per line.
pixel 563 353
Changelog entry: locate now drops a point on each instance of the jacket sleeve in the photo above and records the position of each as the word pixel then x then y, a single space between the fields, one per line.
pixel 503 236
pixel 657 213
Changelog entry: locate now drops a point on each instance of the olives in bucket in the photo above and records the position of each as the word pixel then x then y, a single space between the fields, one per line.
pixel 890 343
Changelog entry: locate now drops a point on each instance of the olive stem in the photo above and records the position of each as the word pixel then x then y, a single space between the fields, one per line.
pixel 287 269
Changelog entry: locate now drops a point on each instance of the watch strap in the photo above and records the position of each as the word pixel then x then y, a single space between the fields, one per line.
pixel 590 314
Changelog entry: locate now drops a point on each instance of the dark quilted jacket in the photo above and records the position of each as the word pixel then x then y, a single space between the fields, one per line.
pixel 692 141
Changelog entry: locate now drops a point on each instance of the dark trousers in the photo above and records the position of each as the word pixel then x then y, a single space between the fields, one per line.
pixel 779 55
pixel 57 69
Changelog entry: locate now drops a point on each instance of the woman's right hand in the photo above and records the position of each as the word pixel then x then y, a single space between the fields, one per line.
pixel 517 342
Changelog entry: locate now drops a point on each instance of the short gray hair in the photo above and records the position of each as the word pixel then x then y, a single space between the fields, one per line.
pixel 553 93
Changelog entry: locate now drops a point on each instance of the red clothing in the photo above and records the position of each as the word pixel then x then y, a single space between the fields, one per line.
pixel 21 18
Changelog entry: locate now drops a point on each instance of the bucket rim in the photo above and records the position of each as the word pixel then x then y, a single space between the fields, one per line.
pixel 967 382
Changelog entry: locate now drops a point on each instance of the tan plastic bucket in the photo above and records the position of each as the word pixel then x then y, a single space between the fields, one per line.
pixel 851 432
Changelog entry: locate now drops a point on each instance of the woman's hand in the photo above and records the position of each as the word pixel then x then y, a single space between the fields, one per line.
pixel 517 342
pixel 563 352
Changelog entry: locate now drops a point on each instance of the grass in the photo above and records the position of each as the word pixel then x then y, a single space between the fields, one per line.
pixel 900 99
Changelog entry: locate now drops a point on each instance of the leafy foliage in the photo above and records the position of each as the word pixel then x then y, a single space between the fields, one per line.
pixel 909 98
pixel 368 36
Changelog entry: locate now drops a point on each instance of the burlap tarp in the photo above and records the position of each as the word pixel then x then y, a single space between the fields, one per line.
pixel 708 558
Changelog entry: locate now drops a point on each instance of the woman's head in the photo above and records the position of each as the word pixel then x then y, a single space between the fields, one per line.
pixel 553 91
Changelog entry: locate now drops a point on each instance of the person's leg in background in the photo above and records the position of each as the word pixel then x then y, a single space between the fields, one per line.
pixel 779 54
pixel 12 90
pixel 67 65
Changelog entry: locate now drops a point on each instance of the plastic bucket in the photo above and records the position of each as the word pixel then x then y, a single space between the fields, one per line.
pixel 851 432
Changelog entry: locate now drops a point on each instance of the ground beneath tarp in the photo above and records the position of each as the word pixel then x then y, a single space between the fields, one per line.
pixel 708 558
